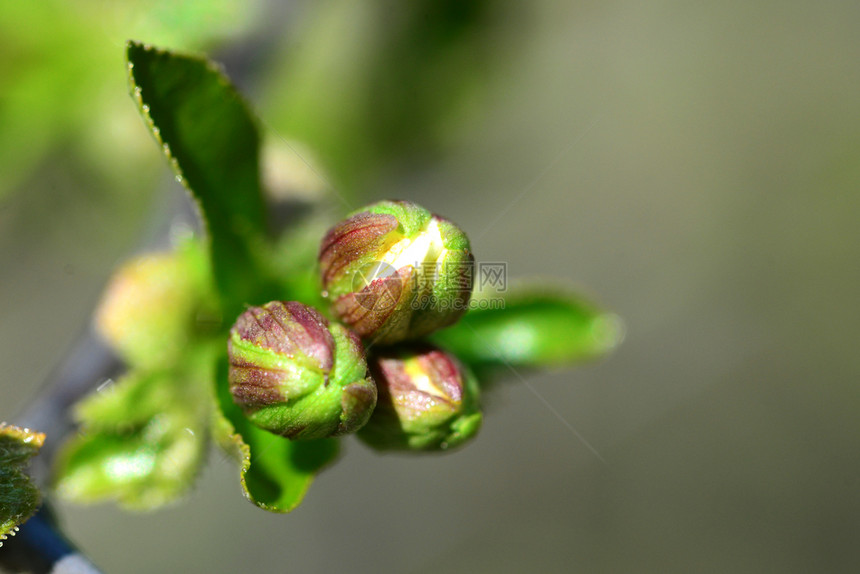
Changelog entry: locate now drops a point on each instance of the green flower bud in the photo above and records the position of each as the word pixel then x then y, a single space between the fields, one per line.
pixel 296 375
pixel 155 303
pixel 394 271
pixel 427 401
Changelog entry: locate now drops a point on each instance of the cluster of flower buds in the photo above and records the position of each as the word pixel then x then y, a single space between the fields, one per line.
pixel 393 272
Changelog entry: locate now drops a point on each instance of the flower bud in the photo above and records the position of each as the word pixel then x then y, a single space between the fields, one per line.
pixel 394 271
pixel 156 303
pixel 296 375
pixel 427 401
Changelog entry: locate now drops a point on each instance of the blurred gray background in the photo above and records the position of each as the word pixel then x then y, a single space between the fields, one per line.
pixel 693 166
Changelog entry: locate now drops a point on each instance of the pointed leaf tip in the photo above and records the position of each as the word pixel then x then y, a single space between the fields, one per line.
pixel 211 140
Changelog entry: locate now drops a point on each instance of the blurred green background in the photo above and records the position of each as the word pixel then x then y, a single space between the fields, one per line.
pixel 694 166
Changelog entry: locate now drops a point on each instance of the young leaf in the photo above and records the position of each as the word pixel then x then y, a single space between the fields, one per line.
pixel 142 441
pixel 19 497
pixel 531 327
pixel 212 143
pixel 275 472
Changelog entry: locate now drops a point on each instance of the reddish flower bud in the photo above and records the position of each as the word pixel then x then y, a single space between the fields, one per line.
pixel 394 271
pixel 295 374
pixel 427 400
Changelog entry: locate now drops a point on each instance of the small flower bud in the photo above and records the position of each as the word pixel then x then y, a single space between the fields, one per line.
pixel 427 401
pixel 296 375
pixel 155 303
pixel 394 271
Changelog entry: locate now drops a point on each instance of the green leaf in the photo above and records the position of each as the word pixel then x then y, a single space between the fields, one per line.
pixel 531 327
pixel 19 497
pixel 212 143
pixel 275 472
pixel 143 439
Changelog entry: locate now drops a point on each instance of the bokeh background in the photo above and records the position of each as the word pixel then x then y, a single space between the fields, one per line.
pixel 693 166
